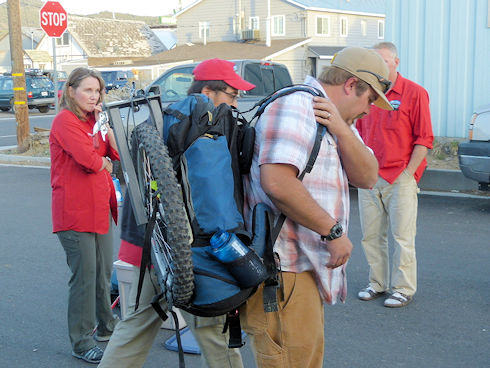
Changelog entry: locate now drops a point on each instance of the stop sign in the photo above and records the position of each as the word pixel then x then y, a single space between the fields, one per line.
pixel 53 19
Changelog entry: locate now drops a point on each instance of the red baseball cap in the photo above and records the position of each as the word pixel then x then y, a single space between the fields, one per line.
pixel 219 69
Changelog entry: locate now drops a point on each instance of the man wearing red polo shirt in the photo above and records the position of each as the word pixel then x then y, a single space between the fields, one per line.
pixel 400 140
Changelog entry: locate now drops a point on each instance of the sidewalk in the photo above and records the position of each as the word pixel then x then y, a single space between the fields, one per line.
pixel 434 181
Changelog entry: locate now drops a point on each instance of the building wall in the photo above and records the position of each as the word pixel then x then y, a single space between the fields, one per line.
pixel 354 33
pixel 295 60
pixel 68 57
pixel 444 45
pixel 227 22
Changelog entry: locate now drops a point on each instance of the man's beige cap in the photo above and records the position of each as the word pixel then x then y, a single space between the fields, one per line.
pixel 368 66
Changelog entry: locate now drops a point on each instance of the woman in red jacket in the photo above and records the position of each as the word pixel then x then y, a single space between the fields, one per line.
pixel 83 202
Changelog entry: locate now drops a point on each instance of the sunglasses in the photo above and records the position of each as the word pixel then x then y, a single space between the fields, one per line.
pixel 382 80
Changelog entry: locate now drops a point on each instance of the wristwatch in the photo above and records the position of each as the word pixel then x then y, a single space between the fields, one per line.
pixel 335 232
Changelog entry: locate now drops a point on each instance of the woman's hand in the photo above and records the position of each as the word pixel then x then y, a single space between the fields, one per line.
pixel 97 110
pixel 326 113
pixel 106 164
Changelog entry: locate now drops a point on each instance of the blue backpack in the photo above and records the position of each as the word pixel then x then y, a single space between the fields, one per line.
pixel 211 148
pixel 203 142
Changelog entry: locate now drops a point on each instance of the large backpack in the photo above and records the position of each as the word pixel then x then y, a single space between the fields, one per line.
pixel 203 142
pixel 211 148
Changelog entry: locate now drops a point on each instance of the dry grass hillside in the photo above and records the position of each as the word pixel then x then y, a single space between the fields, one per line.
pixel 29 12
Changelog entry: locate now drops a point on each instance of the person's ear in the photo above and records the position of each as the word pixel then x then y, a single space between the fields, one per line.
pixel 350 85
pixel 71 91
pixel 206 91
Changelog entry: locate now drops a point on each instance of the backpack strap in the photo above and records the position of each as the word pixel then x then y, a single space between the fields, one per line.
pixel 233 324
pixel 146 256
pixel 272 283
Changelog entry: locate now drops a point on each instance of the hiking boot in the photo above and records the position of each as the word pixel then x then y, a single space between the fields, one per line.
pixel 369 294
pixel 93 355
pixel 397 300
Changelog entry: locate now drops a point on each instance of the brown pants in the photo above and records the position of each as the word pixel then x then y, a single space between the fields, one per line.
pixel 293 336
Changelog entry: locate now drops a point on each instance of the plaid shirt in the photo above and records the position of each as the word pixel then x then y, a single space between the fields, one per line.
pixel 285 134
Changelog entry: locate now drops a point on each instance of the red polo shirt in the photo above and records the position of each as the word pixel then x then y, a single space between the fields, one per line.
pixel 82 195
pixel 392 135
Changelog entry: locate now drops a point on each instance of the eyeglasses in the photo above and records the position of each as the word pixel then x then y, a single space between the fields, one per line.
pixel 382 80
pixel 233 96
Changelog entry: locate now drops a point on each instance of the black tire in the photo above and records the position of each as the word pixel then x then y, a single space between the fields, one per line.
pixel 171 250
pixel 43 109
pixel 5 108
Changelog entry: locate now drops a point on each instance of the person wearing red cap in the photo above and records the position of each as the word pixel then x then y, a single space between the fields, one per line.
pixel 133 337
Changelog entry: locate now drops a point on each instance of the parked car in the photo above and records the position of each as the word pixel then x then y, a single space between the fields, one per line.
pixel 39 89
pixel 474 155
pixel 60 75
pixel 267 77
pixel 115 79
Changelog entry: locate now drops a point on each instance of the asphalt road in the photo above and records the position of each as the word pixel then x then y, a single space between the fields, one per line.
pixel 8 125
pixel 447 325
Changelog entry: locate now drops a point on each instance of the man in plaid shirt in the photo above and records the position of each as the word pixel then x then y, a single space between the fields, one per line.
pixel 313 246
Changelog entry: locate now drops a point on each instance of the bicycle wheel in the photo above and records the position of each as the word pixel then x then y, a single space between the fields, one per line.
pixel 171 251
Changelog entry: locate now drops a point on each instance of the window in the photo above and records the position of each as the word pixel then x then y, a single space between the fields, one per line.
pixel 267 78
pixel 64 40
pixel 381 29
pixel 174 86
pixel 323 26
pixel 203 27
pixel 254 23
pixel 278 27
pixel 363 28
pixel 344 28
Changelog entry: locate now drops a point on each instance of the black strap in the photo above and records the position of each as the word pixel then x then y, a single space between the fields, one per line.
pixel 232 323
pixel 146 256
pixel 269 296
pixel 179 341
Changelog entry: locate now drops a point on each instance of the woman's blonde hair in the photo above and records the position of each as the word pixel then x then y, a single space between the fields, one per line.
pixel 74 79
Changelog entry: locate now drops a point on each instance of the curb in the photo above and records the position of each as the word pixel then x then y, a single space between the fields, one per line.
pixel 447 181
pixel 434 181
pixel 27 160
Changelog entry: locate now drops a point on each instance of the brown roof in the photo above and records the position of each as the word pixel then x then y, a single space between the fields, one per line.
pixel 114 38
pixel 223 50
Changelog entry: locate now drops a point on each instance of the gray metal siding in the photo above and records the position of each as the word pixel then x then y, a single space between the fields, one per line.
pixel 444 45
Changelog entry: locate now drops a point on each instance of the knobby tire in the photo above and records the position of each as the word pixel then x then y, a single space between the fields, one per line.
pixel 170 237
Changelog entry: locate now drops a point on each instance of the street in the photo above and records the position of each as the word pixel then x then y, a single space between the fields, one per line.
pixel 8 127
pixel 447 325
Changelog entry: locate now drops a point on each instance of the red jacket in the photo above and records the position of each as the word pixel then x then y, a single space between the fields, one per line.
pixel 392 135
pixel 83 197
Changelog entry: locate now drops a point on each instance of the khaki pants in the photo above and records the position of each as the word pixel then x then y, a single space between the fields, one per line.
pixel 393 205
pixel 213 343
pixel 89 256
pixel 133 337
pixel 292 337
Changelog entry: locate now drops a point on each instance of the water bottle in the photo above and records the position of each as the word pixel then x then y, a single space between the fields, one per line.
pixel 243 263
pixel 227 247
pixel 117 187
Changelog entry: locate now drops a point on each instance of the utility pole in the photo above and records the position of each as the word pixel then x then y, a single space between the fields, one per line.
pixel 19 103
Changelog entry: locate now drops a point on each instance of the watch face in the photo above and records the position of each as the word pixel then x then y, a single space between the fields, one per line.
pixel 337 231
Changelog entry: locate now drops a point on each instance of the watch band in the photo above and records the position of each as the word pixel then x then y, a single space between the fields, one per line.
pixel 335 232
